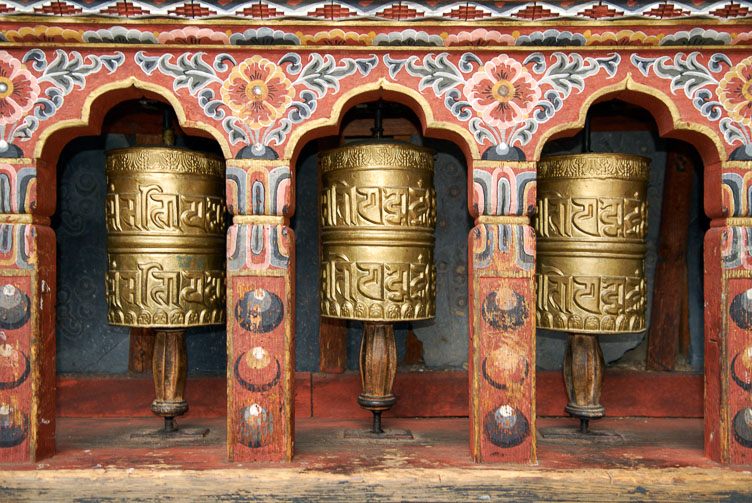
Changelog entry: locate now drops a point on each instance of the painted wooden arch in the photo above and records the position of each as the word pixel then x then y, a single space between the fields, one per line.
pixel 94 105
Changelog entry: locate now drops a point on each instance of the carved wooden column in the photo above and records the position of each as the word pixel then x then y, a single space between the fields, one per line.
pixel 27 312
pixel 728 323
pixel 502 315
pixel 260 312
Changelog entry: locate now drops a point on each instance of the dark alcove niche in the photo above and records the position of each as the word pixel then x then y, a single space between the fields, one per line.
pixel 86 343
pixel 442 342
pixel 617 127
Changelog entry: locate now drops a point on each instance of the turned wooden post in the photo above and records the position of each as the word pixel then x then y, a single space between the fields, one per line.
pixel 378 368
pixel 583 376
pixel 170 369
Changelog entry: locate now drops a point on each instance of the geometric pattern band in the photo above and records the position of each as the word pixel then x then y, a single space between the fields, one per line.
pixel 392 10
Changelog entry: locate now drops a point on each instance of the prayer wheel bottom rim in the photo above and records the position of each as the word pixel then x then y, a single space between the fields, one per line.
pixel 376 403
pixel 585 411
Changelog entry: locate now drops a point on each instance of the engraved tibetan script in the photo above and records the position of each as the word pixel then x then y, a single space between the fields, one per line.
pixel 607 217
pixel 600 303
pixel 344 205
pixel 151 292
pixel 151 209
pixel 406 287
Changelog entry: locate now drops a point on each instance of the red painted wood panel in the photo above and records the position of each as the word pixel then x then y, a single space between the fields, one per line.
pixel 419 394
pixel 629 393
pixel 80 396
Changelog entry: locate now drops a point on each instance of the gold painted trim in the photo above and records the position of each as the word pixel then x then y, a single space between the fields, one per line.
pixel 502 220
pixel 18 160
pixel 734 165
pixel 258 220
pixel 521 165
pixel 496 273
pixel 738 222
pixel 429 127
pixel 23 219
pixel 423 50
pixel 628 84
pixel 169 95
pixel 256 163
pixel 737 274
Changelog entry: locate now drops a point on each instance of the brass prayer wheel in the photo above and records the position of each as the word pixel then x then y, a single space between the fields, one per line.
pixel 165 218
pixel 378 213
pixel 591 227
pixel 591 243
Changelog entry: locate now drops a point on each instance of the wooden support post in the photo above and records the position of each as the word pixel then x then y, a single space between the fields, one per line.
pixel 27 318
pixel 502 343
pixel 501 283
pixel 671 271
pixel 728 344
pixel 260 317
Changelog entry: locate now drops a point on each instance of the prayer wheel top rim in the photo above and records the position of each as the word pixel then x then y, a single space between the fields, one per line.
pixel 424 156
pixel 164 159
pixel 595 165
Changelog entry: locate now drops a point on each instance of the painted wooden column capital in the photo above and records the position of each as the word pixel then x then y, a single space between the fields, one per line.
pixel 260 312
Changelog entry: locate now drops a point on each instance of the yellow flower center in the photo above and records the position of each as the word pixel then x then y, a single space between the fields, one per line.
pixel 746 90
pixel 6 87
pixel 256 90
pixel 503 91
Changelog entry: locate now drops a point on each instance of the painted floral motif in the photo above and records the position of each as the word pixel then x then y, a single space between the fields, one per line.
pixel 337 38
pixel 503 92
pixel 41 33
pixel 264 36
pixel 257 101
pixel 503 101
pixel 408 37
pixel 257 91
pixel 119 35
pixel 696 36
pixel 735 93
pixel 479 37
pixel 551 38
pixel 742 39
pixel 697 77
pixel 29 95
pixel 621 38
pixel 18 89
pixel 193 35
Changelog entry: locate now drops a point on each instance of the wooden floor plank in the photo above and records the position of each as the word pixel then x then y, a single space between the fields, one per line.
pixel 655 460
